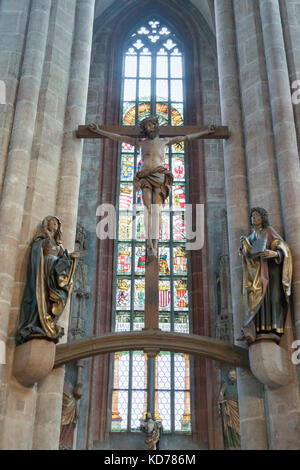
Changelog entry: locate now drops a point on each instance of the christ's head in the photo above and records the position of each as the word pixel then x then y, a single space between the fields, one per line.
pixel 149 127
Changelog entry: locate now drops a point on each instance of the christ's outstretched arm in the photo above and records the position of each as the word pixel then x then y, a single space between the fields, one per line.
pixel 196 135
pixel 120 138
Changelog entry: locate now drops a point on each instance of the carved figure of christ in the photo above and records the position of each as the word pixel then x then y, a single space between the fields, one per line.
pixel 153 179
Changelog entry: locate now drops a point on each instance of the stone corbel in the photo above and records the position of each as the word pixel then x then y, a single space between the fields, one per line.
pixel 270 363
pixel 33 361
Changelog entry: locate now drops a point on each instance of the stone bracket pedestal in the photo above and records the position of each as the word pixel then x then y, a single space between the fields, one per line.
pixel 270 363
pixel 33 361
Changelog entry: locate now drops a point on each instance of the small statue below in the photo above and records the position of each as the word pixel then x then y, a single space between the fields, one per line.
pixel 267 278
pixel 48 285
pixel 229 409
pixel 152 430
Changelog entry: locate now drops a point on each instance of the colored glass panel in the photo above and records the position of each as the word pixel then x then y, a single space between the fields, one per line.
pixel 179 230
pixel 178 195
pixel 125 227
pixel 127 167
pixel 123 294
pixel 164 260
pixel 140 259
pixel 126 196
pixel 139 294
pixel 164 295
pixel 124 259
pixel 178 168
pixel 181 301
pixel 179 260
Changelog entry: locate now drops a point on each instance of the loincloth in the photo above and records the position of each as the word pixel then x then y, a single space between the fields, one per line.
pixel 159 177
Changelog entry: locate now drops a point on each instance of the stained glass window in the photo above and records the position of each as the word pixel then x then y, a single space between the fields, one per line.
pixel 152 83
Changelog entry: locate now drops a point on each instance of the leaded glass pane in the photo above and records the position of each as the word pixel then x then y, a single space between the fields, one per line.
pixel 126 196
pixel 164 295
pixel 178 193
pixel 176 67
pixel 140 259
pixel 162 69
pixel 139 370
pixel 182 412
pixel 123 294
pixel 181 301
pixel 130 89
pixel 138 321
pixel 130 66
pixel 179 230
pixel 145 66
pixel 178 168
pixel 165 321
pixel 176 90
pixel 179 260
pixel 122 322
pixel 181 322
pixel 139 294
pixel 144 90
pixel 163 371
pixel 165 227
pixel 119 420
pixel 124 259
pixel 138 408
pixel 125 227
pixel 163 409
pixel 162 90
pixel 164 260
pixel 127 167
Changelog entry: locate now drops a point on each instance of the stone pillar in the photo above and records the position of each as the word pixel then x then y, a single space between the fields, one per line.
pixel 251 404
pixel 18 161
pixel 48 411
pixel 13 27
pixel 290 14
pixel 261 164
pixel 284 137
pixel 49 397
pixel 71 157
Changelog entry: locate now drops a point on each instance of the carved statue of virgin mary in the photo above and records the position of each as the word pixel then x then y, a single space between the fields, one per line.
pixel 48 284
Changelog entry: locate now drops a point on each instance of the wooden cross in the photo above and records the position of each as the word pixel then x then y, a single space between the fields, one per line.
pixel 221 132
pixel 152 269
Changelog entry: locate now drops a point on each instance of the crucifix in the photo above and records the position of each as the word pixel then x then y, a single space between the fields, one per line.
pixel 155 182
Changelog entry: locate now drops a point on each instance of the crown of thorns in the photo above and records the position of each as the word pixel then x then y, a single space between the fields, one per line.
pixel 153 119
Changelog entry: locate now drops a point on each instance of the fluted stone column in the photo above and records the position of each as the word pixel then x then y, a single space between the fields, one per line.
pixel 290 14
pixel 71 157
pixel 13 26
pixel 284 404
pixel 284 137
pixel 261 163
pixel 18 161
pixel 252 419
pixel 47 420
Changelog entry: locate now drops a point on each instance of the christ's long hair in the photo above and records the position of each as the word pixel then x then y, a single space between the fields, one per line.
pixel 154 120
